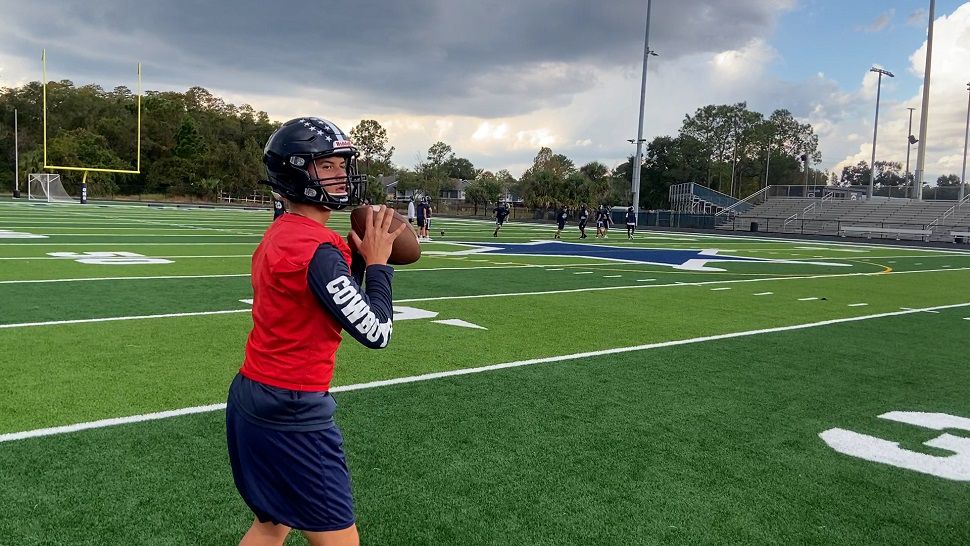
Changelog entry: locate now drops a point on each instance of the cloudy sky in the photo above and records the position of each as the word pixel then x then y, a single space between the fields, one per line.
pixel 497 80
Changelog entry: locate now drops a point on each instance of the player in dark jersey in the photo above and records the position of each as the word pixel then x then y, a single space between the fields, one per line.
pixel 285 449
pixel 602 219
pixel 583 218
pixel 424 218
pixel 501 214
pixel 278 207
pixel 561 216
pixel 631 222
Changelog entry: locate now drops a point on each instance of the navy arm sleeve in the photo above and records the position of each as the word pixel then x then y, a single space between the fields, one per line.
pixel 364 314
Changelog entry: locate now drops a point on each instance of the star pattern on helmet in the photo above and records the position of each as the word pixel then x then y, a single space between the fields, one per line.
pixel 329 139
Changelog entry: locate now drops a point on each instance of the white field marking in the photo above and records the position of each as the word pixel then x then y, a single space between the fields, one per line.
pixel 459 323
pixel 114 244
pixel 918 263
pixel 911 309
pixel 719 289
pixel 646 280
pixel 75 257
pixel 966 318
pixel 214 276
pixel 891 262
pixel 12 436
pixel 807 299
pixel 676 283
pixel 858 304
pixel 612 276
pixel 153 277
pixel 729 237
pixel 153 235
pixel 114 319
pixel 764 294
pixel 247 302
pixel 830 249
pixel 583 273
pixel 554 269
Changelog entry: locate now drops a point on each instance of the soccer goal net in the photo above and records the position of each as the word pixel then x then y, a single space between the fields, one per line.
pixel 47 187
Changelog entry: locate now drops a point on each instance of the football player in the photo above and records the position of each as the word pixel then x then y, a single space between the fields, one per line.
pixel 631 222
pixel 425 219
pixel 583 218
pixel 561 220
pixel 501 213
pixel 285 449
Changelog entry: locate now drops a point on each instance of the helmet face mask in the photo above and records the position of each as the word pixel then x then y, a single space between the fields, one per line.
pixel 291 158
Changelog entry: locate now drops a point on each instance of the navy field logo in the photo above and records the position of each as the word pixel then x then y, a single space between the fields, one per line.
pixel 690 260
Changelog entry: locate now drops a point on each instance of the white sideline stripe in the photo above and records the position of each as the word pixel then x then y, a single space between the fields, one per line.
pixel 676 283
pixel 219 275
pixel 76 257
pixel 114 319
pixel 473 296
pixel 83 279
pixel 8 437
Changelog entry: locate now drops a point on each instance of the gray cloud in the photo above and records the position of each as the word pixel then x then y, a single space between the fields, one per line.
pixel 441 57
pixel 917 19
pixel 881 22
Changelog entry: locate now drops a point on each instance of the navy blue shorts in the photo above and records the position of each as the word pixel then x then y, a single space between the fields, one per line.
pixel 295 478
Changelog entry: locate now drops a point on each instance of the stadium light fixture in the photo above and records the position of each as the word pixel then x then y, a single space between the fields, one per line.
pixel 875 127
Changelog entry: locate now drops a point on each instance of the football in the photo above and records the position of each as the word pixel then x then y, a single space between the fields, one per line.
pixel 406 248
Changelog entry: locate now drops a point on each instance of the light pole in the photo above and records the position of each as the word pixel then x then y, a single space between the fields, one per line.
pixel 638 158
pixel 966 138
pixel 635 170
pixel 875 128
pixel 16 159
pixel 910 140
pixel 768 161
pixel 924 113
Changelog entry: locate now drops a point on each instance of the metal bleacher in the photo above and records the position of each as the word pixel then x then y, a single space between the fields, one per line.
pixel 840 211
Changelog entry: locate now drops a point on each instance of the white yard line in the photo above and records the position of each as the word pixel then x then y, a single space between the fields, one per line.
pixel 807 299
pixel 676 283
pixel 114 319
pixel 77 427
pixel 764 294
pixel 858 304
pixel 214 276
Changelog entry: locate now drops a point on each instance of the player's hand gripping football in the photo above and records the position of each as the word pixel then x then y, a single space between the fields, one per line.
pixel 375 247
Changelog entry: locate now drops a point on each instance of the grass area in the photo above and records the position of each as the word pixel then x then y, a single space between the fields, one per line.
pixel 709 442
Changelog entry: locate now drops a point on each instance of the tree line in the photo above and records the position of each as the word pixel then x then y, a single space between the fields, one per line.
pixel 194 143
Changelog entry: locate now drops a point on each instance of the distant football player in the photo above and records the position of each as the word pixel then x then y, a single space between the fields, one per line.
pixel 583 218
pixel 561 216
pixel 285 449
pixel 607 220
pixel 602 219
pixel 424 218
pixel 631 222
pixel 501 214
pixel 412 213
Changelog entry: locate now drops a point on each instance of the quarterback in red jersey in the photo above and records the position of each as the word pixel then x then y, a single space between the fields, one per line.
pixel 285 449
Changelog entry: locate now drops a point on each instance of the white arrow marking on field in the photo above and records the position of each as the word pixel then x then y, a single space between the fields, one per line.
pixel 461 323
